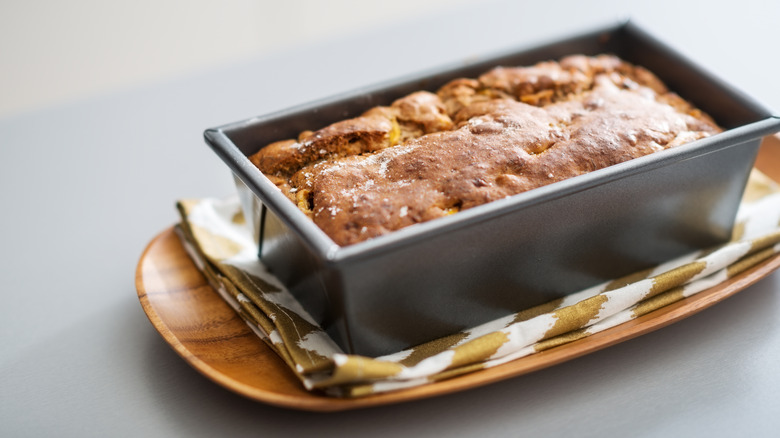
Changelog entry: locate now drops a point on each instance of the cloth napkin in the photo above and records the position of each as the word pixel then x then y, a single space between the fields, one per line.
pixel 216 236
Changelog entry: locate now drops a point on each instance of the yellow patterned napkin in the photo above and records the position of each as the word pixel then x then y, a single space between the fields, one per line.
pixel 217 238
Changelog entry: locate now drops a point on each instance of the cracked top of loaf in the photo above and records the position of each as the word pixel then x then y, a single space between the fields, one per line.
pixel 475 141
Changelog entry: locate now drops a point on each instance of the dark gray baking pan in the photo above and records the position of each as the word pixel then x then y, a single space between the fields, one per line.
pixel 432 279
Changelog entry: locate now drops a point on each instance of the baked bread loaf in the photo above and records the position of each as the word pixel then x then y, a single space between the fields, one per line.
pixel 475 141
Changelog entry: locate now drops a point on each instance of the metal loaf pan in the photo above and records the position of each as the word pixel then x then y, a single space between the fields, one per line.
pixel 438 277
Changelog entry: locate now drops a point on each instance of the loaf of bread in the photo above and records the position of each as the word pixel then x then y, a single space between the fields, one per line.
pixel 475 141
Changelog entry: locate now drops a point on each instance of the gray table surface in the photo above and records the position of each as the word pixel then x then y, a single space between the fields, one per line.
pixel 86 185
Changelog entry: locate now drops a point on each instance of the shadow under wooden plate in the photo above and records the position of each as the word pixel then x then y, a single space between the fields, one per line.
pixel 212 338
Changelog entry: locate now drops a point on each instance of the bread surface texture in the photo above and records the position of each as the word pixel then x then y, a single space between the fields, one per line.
pixel 474 141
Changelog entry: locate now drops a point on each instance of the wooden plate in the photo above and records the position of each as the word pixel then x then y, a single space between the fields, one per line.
pixel 211 337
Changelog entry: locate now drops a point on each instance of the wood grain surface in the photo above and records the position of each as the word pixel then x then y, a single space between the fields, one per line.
pixel 210 336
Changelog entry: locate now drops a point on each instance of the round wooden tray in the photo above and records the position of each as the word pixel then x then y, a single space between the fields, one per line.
pixel 210 336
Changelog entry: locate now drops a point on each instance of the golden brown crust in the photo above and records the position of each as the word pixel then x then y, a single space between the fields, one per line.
pixel 476 141
pixel 409 117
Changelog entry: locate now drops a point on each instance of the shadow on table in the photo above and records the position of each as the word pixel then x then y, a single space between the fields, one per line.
pixel 639 385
